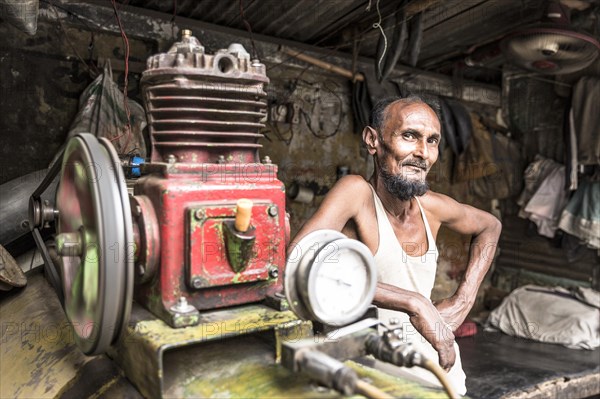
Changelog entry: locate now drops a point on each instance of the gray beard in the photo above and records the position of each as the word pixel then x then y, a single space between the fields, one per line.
pixel 402 188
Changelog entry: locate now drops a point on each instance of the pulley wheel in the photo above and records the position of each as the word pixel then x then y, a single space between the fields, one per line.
pixel 95 242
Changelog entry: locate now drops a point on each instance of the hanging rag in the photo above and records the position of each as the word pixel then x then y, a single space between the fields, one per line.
pixel 506 179
pixel 547 203
pixel 581 217
pixel 361 106
pixel 478 155
pixel 586 119
pixel 448 129
pixel 534 175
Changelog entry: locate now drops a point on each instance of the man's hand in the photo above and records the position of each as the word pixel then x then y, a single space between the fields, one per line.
pixel 423 316
pixel 430 324
pixel 453 310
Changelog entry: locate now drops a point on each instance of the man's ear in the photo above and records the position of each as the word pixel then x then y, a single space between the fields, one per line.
pixel 371 139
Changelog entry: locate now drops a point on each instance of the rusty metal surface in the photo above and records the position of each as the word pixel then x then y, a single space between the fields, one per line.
pixel 147 244
pixel 141 352
pixel 193 258
pixel 209 261
pixel 231 353
pixel 202 106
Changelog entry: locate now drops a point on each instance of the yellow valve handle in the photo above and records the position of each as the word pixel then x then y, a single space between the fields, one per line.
pixel 242 214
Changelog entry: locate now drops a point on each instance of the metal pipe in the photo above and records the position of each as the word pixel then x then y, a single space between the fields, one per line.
pixel 322 64
pixel 14 197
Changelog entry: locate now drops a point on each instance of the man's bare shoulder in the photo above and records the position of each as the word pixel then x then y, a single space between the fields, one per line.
pixel 353 182
pixel 431 199
pixel 352 191
pixel 437 204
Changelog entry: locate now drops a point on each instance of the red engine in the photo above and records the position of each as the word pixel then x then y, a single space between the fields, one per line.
pixel 204 113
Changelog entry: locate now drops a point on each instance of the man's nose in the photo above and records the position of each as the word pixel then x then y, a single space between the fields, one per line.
pixel 422 150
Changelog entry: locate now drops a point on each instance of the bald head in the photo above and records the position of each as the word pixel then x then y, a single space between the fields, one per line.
pixel 380 110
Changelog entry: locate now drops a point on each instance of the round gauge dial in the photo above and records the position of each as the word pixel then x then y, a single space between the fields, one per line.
pixel 331 278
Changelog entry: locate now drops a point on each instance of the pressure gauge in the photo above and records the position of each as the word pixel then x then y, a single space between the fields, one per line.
pixel 330 278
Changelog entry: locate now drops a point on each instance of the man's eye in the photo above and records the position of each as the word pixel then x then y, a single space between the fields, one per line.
pixel 433 140
pixel 408 135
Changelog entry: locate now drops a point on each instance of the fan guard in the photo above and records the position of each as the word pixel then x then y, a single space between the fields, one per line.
pixel 550 51
pixel 552 47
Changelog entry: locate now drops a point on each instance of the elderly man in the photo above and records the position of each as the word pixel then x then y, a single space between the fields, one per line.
pixel 396 216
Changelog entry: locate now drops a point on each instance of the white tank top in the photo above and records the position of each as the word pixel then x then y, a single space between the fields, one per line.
pixel 394 266
pixel 413 273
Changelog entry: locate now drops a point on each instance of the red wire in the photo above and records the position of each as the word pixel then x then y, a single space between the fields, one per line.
pixel 126 80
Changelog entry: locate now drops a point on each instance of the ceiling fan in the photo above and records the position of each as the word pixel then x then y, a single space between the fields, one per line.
pixel 552 47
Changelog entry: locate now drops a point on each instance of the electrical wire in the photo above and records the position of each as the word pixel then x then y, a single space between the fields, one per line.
pixel 321 40
pixel 360 36
pixel 370 391
pixel 441 375
pixel 249 28
pixel 377 25
pixel 126 79
pixel 308 119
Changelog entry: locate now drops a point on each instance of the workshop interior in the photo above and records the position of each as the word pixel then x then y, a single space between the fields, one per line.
pixel 158 158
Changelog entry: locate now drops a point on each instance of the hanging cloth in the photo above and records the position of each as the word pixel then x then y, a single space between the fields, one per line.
pixel 586 119
pixel 581 217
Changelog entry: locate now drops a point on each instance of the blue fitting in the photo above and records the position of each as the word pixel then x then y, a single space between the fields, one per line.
pixel 134 164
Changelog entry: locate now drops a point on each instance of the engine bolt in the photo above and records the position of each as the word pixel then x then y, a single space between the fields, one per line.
pixel 196 283
pixel 199 214
pixel 273 272
pixel 182 306
pixel 273 211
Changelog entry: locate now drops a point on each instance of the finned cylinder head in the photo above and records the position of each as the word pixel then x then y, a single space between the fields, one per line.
pixel 203 106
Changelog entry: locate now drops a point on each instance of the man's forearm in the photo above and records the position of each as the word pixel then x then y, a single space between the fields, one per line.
pixel 423 316
pixel 481 255
pixel 391 297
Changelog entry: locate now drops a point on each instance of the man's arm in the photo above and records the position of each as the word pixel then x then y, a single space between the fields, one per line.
pixel 485 230
pixel 340 205
pixel 423 316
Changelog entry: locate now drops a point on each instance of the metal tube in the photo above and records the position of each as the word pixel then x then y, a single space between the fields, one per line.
pixel 322 64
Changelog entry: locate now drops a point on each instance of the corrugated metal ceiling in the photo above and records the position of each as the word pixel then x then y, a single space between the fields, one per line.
pixel 450 28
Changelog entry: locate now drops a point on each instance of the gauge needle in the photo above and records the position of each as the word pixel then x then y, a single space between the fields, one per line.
pixel 338 280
